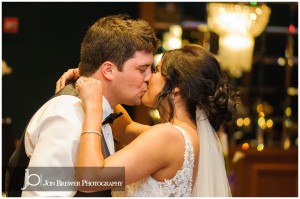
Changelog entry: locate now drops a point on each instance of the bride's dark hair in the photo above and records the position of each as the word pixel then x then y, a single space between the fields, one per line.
pixel 197 74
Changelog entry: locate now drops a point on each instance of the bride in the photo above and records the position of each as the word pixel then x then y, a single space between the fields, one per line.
pixel 182 155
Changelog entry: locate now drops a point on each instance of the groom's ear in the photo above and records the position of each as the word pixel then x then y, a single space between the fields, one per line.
pixel 107 69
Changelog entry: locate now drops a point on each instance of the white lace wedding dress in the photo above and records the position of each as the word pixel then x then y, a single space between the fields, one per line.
pixel 179 186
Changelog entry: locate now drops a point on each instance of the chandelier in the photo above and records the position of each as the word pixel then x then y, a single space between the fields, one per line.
pixel 237 25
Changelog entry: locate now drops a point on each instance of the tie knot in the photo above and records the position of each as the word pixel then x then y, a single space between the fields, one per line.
pixel 110 119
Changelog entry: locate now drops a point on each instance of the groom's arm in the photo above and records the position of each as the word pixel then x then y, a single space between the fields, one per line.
pixel 124 128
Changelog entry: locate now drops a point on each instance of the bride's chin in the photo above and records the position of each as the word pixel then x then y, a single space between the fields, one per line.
pixel 146 103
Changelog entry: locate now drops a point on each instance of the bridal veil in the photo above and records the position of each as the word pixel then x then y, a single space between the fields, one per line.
pixel 211 180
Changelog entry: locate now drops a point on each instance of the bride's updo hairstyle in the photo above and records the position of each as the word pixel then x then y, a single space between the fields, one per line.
pixel 197 74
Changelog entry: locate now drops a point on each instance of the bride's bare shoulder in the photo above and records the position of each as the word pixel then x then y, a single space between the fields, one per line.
pixel 163 131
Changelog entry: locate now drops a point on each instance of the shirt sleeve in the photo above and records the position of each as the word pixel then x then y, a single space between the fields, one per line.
pixel 54 137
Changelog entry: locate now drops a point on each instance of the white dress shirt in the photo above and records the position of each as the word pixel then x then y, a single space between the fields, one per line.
pixel 106 129
pixel 53 135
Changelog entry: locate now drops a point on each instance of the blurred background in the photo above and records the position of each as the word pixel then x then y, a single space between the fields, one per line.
pixel 256 44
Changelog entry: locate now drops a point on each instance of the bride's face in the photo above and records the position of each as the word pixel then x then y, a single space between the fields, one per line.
pixel 155 86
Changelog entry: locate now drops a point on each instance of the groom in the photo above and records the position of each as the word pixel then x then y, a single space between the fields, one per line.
pixel 116 50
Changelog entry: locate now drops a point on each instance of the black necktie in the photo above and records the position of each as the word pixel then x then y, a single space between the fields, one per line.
pixel 110 119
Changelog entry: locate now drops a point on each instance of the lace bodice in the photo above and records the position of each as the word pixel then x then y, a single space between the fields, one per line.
pixel 178 186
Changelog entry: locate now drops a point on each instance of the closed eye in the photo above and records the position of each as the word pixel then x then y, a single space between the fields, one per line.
pixel 143 68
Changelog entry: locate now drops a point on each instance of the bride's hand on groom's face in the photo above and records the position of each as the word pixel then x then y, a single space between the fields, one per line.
pixel 70 75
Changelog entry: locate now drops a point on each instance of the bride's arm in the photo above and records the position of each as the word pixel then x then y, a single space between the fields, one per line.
pixel 124 128
pixel 71 74
pixel 150 152
pixel 90 92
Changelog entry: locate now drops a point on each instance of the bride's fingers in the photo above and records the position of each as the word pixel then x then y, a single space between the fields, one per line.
pixel 88 82
pixel 75 72
pixel 60 83
pixel 81 80
pixel 57 88
pixel 70 74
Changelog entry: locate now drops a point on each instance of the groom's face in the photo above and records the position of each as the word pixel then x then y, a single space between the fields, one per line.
pixel 156 84
pixel 131 83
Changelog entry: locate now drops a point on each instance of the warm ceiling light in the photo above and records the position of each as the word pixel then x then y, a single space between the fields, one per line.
pixel 237 25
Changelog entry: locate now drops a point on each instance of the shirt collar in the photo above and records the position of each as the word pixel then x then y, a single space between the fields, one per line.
pixel 106 108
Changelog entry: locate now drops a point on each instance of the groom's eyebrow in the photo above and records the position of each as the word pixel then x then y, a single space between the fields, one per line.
pixel 144 66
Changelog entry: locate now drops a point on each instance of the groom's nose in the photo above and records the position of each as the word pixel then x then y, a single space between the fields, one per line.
pixel 148 74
